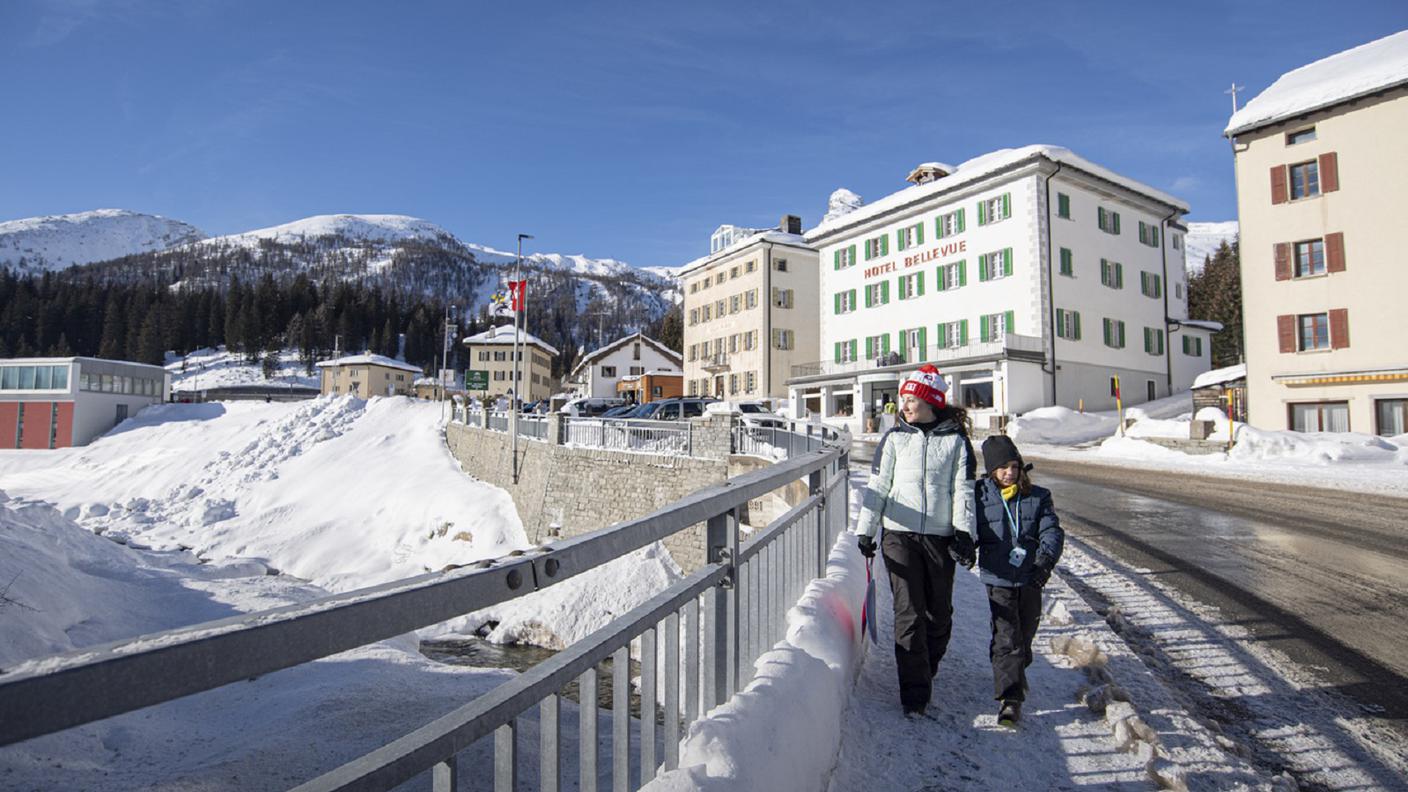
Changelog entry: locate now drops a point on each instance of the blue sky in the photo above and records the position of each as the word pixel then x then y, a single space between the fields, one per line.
pixel 613 129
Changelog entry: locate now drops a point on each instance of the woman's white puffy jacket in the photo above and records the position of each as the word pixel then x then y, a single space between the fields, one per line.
pixel 914 478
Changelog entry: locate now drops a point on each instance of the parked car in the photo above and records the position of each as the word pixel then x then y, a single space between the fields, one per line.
pixel 591 406
pixel 754 414
pixel 679 408
pixel 619 412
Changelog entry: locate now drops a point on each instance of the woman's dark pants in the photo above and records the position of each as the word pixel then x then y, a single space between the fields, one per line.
pixel 921 578
pixel 1016 612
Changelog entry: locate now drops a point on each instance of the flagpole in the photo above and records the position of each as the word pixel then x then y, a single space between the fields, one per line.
pixel 520 290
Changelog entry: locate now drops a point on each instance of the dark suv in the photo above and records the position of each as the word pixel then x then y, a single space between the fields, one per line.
pixel 677 409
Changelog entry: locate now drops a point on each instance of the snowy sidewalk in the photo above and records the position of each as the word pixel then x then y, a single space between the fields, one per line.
pixel 1060 744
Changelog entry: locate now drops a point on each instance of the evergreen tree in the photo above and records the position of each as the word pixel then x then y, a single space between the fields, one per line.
pixel 1216 294
pixel 113 344
pixel 149 343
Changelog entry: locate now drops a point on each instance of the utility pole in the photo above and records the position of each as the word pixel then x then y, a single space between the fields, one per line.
pixel 1233 91
pixel 521 313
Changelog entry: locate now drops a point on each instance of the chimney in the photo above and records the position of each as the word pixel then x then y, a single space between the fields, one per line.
pixel 792 224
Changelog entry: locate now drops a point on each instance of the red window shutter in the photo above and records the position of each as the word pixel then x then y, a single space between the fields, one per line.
pixel 1339 328
pixel 1286 332
pixel 1279 194
pixel 1329 172
pixel 1334 252
pixel 1283 260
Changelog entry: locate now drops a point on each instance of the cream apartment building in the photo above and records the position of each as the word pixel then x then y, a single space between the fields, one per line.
pixel 1322 183
pixel 367 375
pixel 750 312
pixel 492 351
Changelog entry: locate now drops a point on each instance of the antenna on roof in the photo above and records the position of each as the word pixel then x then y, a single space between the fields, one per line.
pixel 1233 90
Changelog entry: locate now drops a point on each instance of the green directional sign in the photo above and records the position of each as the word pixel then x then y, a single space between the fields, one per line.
pixel 476 380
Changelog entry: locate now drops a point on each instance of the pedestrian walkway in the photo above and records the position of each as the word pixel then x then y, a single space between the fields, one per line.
pixel 1059 744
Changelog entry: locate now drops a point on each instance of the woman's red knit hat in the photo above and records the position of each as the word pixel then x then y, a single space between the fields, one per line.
pixel 928 384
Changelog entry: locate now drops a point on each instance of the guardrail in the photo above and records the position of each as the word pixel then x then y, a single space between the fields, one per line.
pixel 696 642
pixel 534 427
pixel 657 437
pixel 792 438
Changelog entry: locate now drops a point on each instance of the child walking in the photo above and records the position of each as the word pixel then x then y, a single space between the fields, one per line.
pixel 1019 542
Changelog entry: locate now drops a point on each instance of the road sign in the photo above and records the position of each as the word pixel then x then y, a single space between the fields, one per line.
pixel 476 380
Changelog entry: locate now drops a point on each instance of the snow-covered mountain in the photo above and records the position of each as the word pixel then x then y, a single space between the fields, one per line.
pixel 56 242
pixel 1203 240
pixel 358 227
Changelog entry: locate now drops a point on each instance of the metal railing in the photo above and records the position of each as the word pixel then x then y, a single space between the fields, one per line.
pixel 655 437
pixel 534 427
pixel 796 437
pixel 934 354
pixel 695 642
pixel 498 421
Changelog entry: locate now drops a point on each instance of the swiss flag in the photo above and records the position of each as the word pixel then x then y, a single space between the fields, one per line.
pixel 516 290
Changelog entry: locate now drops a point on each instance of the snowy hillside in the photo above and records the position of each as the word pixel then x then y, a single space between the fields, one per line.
pixel 60 241
pixel 361 228
pixel 1203 239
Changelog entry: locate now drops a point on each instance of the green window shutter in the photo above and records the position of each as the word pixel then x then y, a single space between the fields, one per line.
pixel 838 351
pixel 1007 261
pixel 919 284
pixel 958 224
pixel 838 303
pixel 853 254
pixel 1117 222
pixel 852 343
pixel 1010 321
pixel 899 239
pixel 1104 272
pixel 1107 332
pixel 1076 328
pixel 838 260
pixel 884 292
pixel 983 268
pixel 869 347
pixel 919 234
pixel 982 214
pixel 1060 323
pixel 1066 264
pixel 963 273
pixel 985 328
pixel 1158 286
pixel 1007 204
pixel 1119 275
pixel 869 297
pixel 1100 215
pixel 939 227
pixel 853 299
pixel 962 332
pixel 885 245
pixel 1120 327
pixel 885 344
pixel 1148 345
pixel 923 344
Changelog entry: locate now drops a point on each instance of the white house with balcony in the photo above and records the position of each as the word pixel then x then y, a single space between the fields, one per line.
pixel 1029 276
pixel 599 372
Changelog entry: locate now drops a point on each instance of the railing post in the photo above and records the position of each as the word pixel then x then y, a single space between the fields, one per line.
pixel 722 669
pixel 506 757
pixel 816 484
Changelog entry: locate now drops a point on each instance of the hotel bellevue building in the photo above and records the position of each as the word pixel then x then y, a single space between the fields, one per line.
pixel 1030 277
pixel 1322 181
pixel 750 312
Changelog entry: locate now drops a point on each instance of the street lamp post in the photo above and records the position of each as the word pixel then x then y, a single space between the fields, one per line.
pixel 516 385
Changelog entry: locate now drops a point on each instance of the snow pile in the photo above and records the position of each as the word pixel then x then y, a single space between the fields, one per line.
pixel 1060 426
pixel 374 228
pixel 1343 76
pixel 1320 448
pixel 58 241
pixel 781 732
pixel 841 202
pixel 1220 375
pixel 1203 240
pixel 219 368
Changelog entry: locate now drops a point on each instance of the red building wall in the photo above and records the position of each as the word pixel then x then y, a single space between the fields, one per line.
pixel 36 424
pixel 65 438
pixel 9 418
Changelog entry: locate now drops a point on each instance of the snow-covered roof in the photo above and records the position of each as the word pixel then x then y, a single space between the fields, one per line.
pixel 982 167
pixel 368 360
pixel 597 354
pixel 1347 75
pixel 503 334
pixel 771 235
pixel 1202 324
pixel 1219 376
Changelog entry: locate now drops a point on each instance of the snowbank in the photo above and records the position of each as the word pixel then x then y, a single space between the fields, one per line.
pixel 218 368
pixel 781 732
pixel 1060 426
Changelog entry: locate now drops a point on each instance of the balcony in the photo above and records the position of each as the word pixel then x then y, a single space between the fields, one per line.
pixel 1010 346
pixel 715 363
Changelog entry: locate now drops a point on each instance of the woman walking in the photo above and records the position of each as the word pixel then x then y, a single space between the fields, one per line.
pixel 920 494
pixel 1019 542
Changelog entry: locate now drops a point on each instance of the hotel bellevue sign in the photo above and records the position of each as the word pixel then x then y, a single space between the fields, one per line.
pixel 937 252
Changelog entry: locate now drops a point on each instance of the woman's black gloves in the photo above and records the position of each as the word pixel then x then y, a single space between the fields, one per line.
pixel 962 550
pixel 866 544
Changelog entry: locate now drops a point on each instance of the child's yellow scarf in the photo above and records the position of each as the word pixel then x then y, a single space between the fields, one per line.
pixel 1008 493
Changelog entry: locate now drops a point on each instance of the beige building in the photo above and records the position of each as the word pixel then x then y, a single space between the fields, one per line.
pixel 492 351
pixel 367 375
pixel 1322 179
pixel 750 312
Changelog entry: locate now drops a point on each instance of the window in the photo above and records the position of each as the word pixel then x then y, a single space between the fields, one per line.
pixel 995 327
pixel 1300 136
pixel 780 265
pixel 994 265
pixel 1176 241
pixel 1108 221
pixel 608 371
pixel 735 304
pixel 751 341
pixel 994 209
pixel 875 247
pixel 1320 417
pixel 751 266
pixel 1112 274
pixel 1063 206
pixel 951 276
pixel 733 272
pixel 953 334
pixel 500 355
pixel 1068 324
pixel 637 344
pixel 1114 333
pixel 909 236
pixel 845 351
pixel 1314 331
pixel 845 301
pixel 913 344
pixel 1309 258
pixel 1068 265
pixel 732 343
pixel 706 313
pixel 484 353
pixel 751 298
pixel 783 339
pixel 1178 290
pixel 499 376
pixel 781 298
pixel 877 293
pixel 693 352
pixel 707 281
pixel 912 286
pixel 1390 417
pixel 948 224
pixel 1305 180
pixel 694 287
pixel 752 383
pixel 1151 390
pixel 636 371
pixel 1192 346
pixel 1151 284
pixel 1148 234
pixel 720 307
pixel 845 257
pixel 877 346
pixel 733 384
pixel 1154 340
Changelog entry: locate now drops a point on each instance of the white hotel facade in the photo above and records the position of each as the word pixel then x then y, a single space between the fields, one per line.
pixel 1030 277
